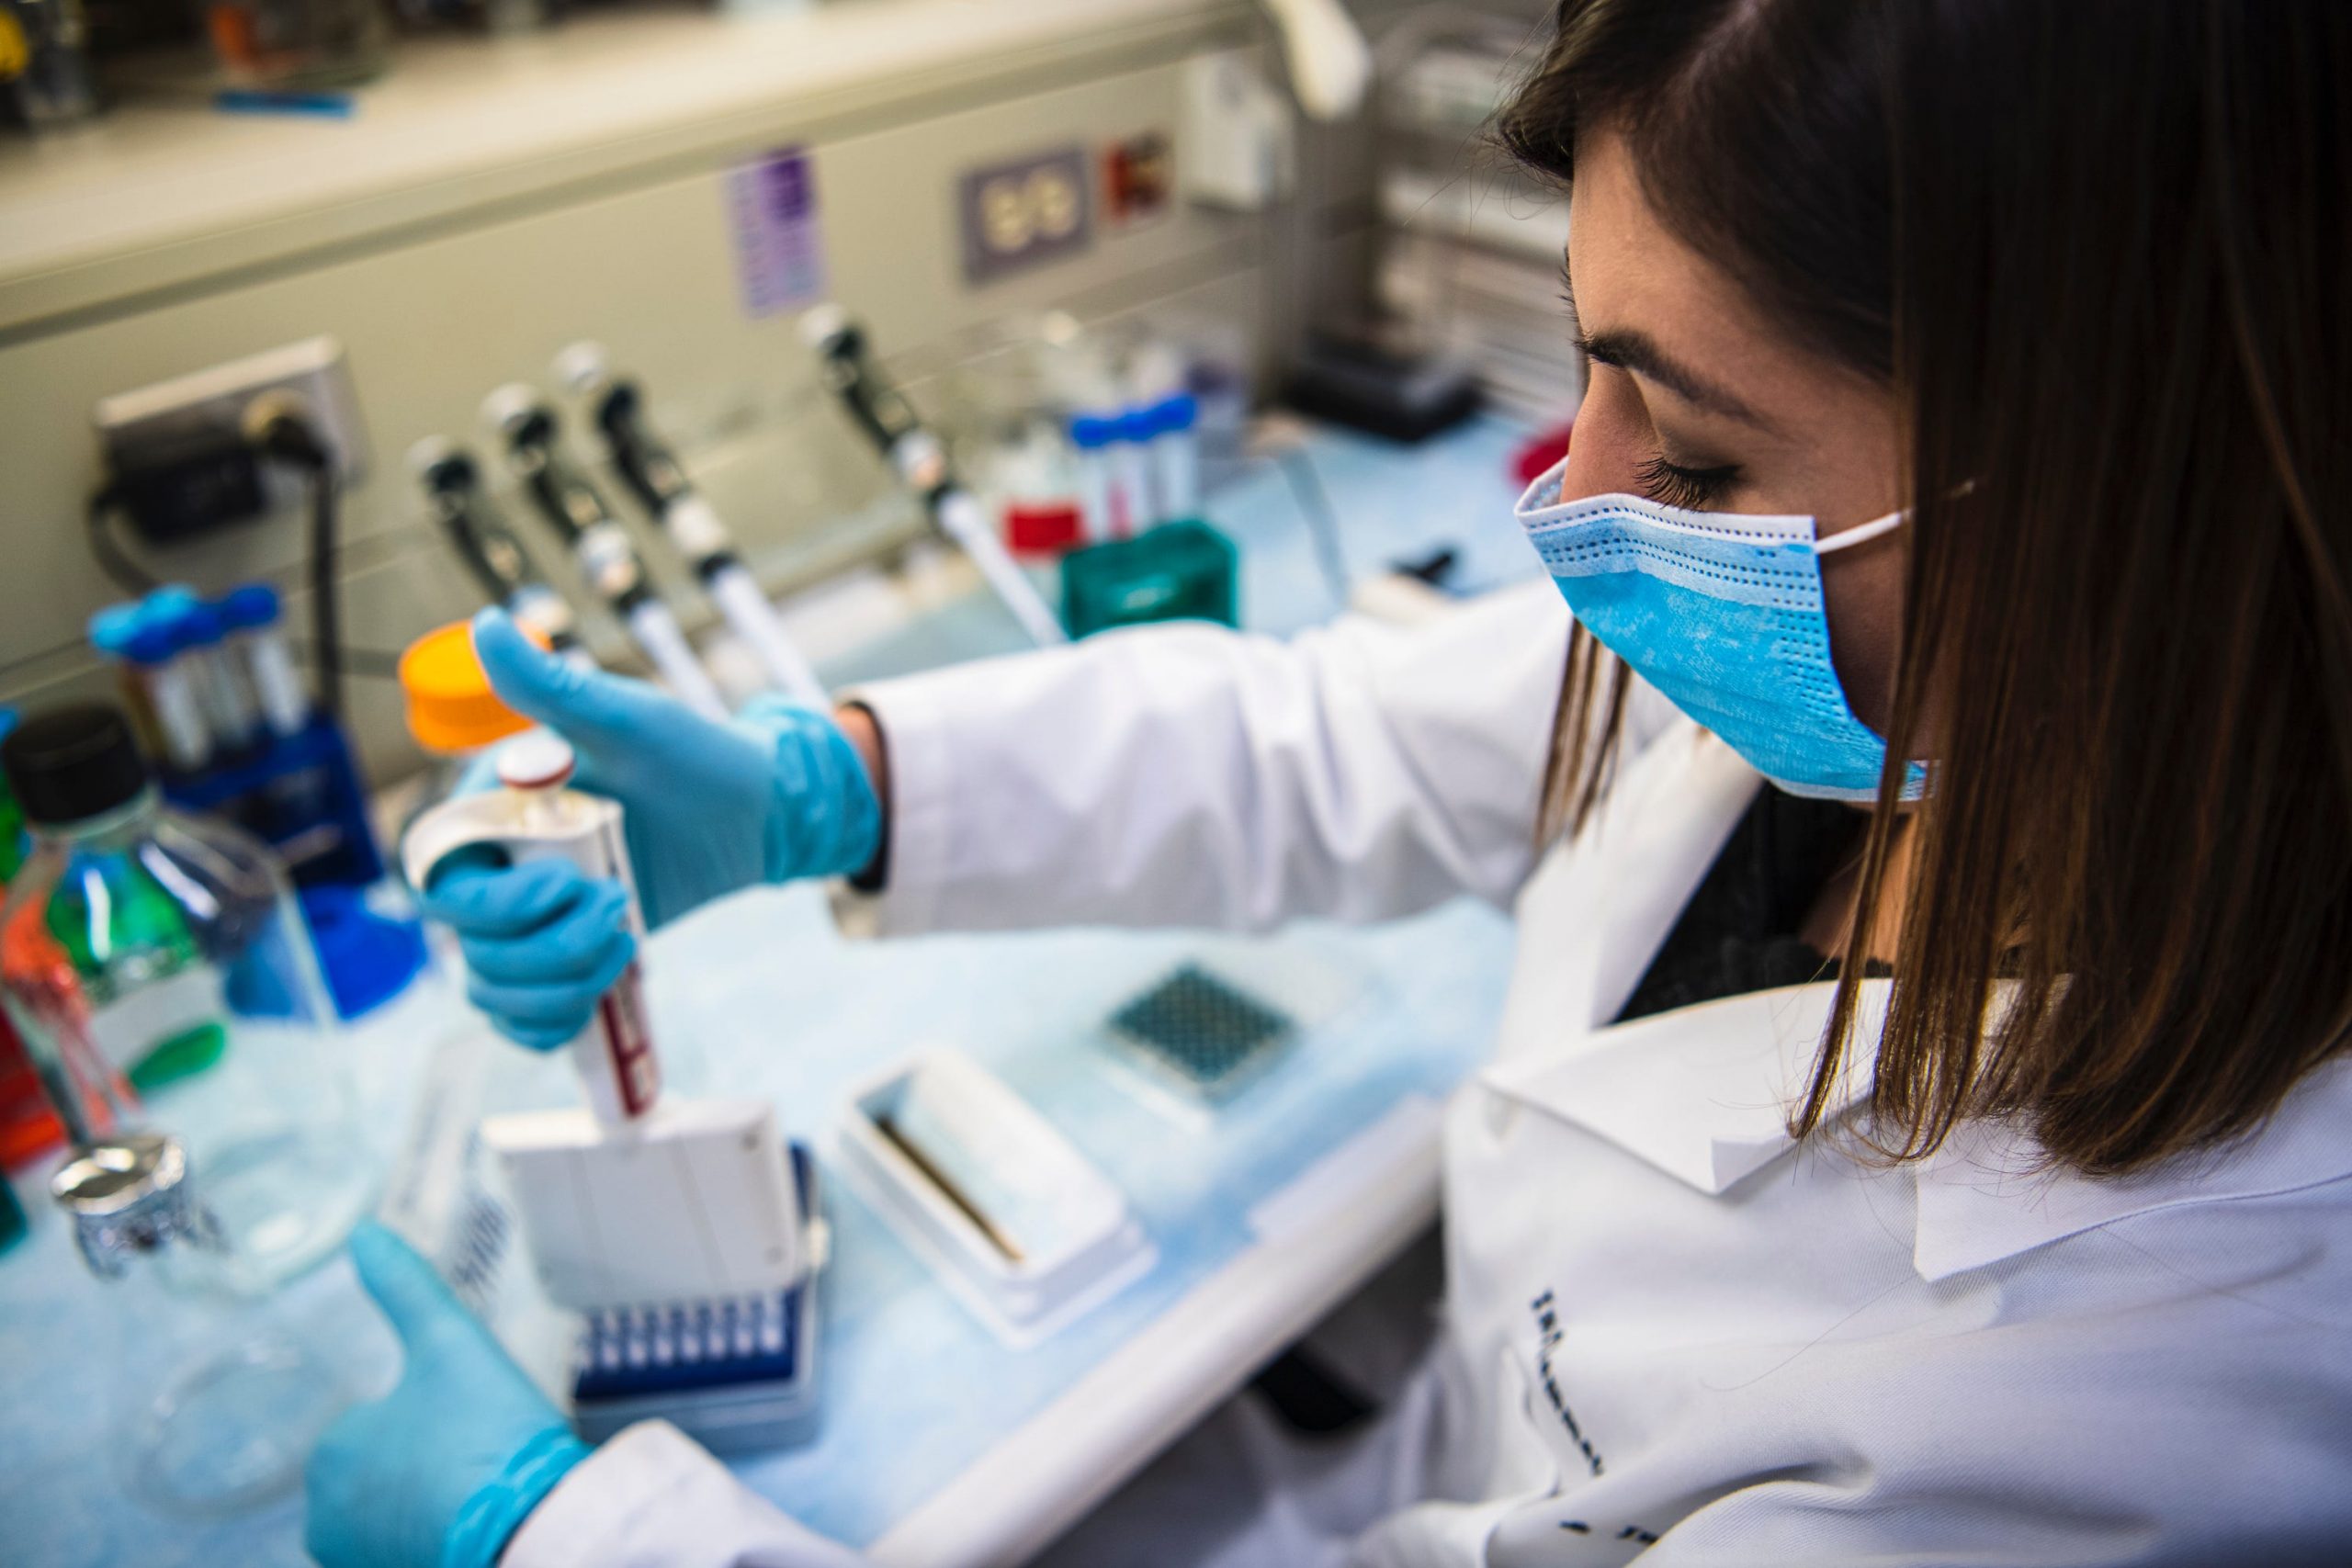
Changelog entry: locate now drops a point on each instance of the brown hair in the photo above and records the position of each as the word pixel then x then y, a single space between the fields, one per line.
pixel 2098 250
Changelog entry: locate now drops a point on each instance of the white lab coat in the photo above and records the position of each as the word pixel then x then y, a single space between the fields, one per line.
pixel 1667 1332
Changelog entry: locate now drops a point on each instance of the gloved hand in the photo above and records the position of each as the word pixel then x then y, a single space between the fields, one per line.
pixel 779 792
pixel 439 1472
pixel 542 942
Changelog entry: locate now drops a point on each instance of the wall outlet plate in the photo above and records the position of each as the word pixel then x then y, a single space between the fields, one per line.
pixel 1024 212
pixel 170 415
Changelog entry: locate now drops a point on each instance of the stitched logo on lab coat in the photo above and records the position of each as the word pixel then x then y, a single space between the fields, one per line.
pixel 1547 1329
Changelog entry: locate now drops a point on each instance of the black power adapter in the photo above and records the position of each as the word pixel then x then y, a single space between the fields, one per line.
pixel 190 489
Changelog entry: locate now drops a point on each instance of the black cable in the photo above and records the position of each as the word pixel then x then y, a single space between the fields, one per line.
pixel 126 573
pixel 280 430
pixel 326 595
pixel 1322 519
pixel 375 663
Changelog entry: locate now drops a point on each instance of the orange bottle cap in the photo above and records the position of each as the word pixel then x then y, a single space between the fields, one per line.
pixel 450 705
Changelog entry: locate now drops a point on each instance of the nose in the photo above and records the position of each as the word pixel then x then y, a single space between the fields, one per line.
pixel 1611 440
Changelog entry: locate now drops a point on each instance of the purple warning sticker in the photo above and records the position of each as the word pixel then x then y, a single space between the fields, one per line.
pixel 779 245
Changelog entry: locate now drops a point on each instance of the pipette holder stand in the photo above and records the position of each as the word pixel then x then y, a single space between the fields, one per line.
pixel 300 795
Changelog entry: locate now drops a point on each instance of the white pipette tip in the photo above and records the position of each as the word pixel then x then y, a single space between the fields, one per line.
pixel 509 406
pixel 583 368
pixel 821 324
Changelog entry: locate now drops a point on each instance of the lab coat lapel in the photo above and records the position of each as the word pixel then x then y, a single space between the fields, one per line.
pixel 1703 1092
pixel 1666 819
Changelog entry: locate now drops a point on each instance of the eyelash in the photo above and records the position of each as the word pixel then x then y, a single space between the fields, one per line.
pixel 1670 484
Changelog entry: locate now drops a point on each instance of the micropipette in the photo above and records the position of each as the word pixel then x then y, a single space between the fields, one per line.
pixel 654 475
pixel 599 543
pixel 453 484
pixel 921 463
pixel 534 818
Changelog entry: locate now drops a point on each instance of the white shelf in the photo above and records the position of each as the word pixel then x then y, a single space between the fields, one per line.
pixel 159 192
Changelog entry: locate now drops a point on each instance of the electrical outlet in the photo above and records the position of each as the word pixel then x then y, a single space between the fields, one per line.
pixel 1023 213
pixel 140 427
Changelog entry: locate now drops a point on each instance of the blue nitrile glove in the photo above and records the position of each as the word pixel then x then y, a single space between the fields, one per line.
pixel 776 794
pixel 542 942
pixel 442 1470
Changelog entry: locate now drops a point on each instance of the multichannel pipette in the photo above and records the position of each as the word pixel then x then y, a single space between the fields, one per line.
pixel 599 543
pixel 652 473
pixel 452 482
pixel 920 462
pixel 682 1231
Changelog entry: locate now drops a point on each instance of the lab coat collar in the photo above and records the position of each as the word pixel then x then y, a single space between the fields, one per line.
pixel 1987 1194
pixel 1703 1092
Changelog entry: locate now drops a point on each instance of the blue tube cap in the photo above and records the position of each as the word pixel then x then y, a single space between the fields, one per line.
pixel 201 627
pixel 152 643
pixel 253 604
pixel 1137 425
pixel 1176 412
pixel 112 629
pixel 1090 432
pixel 172 599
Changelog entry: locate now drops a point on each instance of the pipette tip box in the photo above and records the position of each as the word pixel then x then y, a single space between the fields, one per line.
pixel 736 1374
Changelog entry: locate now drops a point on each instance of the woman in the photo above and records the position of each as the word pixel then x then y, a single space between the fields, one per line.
pixel 1949 1179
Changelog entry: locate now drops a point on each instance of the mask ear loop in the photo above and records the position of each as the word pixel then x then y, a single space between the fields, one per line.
pixel 1863 533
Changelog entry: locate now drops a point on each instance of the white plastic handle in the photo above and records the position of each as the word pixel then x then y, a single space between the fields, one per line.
pixel 1331 63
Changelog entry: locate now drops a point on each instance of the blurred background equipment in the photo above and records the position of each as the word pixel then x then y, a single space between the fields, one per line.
pixel 45 60
pixel 1469 249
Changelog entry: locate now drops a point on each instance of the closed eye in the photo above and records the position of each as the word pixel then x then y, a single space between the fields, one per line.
pixel 1693 489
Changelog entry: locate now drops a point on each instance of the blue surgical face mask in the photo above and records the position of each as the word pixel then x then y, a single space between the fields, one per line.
pixel 1722 612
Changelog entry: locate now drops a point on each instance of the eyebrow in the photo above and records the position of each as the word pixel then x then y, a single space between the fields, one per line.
pixel 1638 351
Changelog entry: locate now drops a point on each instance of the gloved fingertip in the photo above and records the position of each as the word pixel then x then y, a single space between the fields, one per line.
pixel 612 961
pixel 402 1282
pixel 505 901
pixel 541 1038
pixel 532 680
pixel 611 901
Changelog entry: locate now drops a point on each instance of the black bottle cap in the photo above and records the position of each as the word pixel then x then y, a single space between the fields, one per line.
pixel 73 764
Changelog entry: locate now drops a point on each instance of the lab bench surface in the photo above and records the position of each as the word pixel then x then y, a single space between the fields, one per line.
pixel 940 1444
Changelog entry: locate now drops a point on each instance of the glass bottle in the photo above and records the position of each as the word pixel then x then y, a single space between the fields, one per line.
pixel 135 938
pixel 214 1409
pixel 169 950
